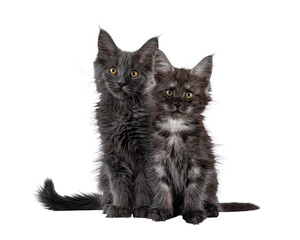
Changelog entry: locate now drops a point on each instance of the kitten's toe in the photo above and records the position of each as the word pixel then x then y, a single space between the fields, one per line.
pixel 211 210
pixel 159 214
pixel 140 212
pixel 113 211
pixel 194 217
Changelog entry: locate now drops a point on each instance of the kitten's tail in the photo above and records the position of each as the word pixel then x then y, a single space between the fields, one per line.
pixel 237 207
pixel 53 201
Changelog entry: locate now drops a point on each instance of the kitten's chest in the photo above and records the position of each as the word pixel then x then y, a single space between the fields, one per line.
pixel 173 126
pixel 174 134
pixel 173 139
pixel 126 129
pixel 172 154
pixel 175 146
pixel 177 163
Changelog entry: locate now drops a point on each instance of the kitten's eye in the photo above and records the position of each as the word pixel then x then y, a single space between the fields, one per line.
pixel 189 94
pixel 169 93
pixel 134 74
pixel 112 70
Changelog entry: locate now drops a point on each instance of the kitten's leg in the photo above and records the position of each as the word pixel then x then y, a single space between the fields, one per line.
pixel 211 202
pixel 193 209
pixel 120 179
pixel 104 186
pixel 142 198
pixel 121 203
pixel 211 210
pixel 162 206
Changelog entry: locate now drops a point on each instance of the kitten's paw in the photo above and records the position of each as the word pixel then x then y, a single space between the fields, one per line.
pixel 105 207
pixel 113 211
pixel 194 217
pixel 140 212
pixel 160 214
pixel 211 210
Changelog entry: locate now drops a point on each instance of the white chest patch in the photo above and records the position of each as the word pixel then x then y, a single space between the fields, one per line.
pixel 175 125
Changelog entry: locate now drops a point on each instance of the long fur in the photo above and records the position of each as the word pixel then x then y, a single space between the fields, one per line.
pixel 237 207
pixel 181 165
pixel 53 201
pixel 123 120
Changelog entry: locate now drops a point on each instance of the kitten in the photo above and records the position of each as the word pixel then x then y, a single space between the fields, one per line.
pixel 181 166
pixel 123 120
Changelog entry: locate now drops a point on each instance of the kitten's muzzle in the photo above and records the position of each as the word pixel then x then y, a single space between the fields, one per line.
pixel 176 109
pixel 177 105
pixel 122 82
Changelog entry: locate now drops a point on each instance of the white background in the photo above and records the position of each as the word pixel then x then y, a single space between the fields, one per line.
pixel 47 98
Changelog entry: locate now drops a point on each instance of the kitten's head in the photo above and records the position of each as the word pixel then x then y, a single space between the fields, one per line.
pixel 119 73
pixel 180 93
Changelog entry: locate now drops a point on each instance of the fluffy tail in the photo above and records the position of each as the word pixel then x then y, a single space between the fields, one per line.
pixel 237 207
pixel 53 201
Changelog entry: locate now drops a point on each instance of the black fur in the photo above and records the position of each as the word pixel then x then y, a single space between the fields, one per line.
pixel 181 166
pixel 123 122
pixel 237 207
pixel 53 201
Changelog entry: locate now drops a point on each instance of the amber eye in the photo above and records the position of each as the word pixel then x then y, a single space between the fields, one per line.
pixel 112 70
pixel 134 74
pixel 189 94
pixel 169 93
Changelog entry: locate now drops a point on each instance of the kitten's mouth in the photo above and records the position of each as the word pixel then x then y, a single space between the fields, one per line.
pixel 123 90
pixel 177 112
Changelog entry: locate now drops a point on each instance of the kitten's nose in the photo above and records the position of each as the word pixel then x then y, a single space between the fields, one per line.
pixel 122 84
pixel 177 105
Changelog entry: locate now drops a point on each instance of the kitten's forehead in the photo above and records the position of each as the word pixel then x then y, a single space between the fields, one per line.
pixel 187 85
pixel 185 80
pixel 168 84
pixel 125 61
pixel 177 82
pixel 127 58
pixel 173 84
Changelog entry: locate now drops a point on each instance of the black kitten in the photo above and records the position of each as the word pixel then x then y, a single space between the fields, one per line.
pixel 123 121
pixel 121 78
pixel 181 169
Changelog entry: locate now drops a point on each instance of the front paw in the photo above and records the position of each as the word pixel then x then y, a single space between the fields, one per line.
pixel 105 207
pixel 140 212
pixel 194 217
pixel 160 214
pixel 211 210
pixel 113 211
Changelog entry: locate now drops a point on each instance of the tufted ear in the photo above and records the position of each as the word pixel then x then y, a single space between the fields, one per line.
pixel 106 45
pixel 161 63
pixel 149 46
pixel 147 51
pixel 204 68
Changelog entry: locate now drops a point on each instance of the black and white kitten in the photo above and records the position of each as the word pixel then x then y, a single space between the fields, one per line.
pixel 181 167
pixel 122 117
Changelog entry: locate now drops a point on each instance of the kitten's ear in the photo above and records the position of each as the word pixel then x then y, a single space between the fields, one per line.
pixel 150 45
pixel 106 45
pixel 204 68
pixel 161 63
pixel 147 51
